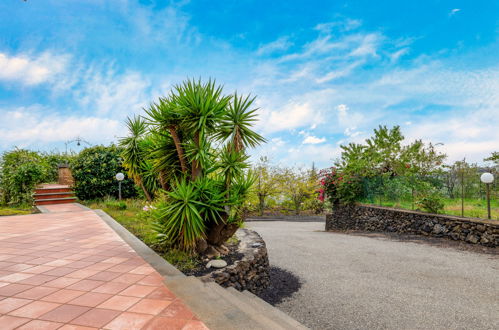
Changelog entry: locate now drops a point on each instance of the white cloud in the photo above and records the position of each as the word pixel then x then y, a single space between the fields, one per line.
pixel 37 126
pixel 31 70
pixel 109 93
pixel 280 44
pixel 454 11
pixel 313 140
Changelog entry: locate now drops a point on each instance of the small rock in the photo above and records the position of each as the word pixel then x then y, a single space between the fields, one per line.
pixel 211 252
pixel 217 263
pixel 472 238
pixel 255 245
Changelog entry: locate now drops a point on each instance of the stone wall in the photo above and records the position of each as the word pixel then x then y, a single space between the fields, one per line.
pixel 252 271
pixel 374 218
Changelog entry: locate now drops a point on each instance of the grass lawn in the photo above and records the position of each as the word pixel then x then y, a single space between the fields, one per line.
pixel 473 208
pixel 130 215
pixel 15 210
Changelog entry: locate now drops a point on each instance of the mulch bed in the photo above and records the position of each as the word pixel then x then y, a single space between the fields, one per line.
pixel 230 258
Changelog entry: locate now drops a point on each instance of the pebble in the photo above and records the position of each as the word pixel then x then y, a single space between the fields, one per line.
pixel 217 263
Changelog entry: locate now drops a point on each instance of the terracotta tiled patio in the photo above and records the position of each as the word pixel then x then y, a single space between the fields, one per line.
pixel 68 270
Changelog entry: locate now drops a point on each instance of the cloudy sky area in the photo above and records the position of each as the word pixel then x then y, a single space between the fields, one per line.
pixel 325 72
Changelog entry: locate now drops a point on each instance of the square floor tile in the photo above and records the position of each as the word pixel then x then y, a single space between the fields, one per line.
pixel 40 325
pixel 96 317
pixel 111 287
pixel 64 313
pixel 164 323
pixel 177 310
pixel 137 290
pixel 90 299
pixel 85 285
pixel 12 289
pixel 8 322
pixel 149 306
pixel 129 321
pixel 11 303
pixel 36 292
pixel 63 296
pixel 35 309
pixel 120 303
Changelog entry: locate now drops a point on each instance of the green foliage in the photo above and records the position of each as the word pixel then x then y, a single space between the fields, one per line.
pixel 114 204
pixel 192 144
pixel 21 170
pixel 94 171
pixel 431 201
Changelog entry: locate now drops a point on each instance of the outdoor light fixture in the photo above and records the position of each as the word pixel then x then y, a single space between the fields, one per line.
pixel 487 178
pixel 119 176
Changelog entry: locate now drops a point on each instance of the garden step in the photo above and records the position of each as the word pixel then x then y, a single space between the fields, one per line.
pixel 270 310
pixel 216 307
pixel 215 311
pixel 52 190
pixel 55 201
pixel 54 195
pixel 260 319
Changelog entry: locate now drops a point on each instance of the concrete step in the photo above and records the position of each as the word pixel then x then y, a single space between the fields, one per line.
pixel 50 201
pixel 218 308
pixel 260 319
pixel 54 195
pixel 267 308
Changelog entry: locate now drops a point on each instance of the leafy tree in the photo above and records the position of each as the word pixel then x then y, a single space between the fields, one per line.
pixel 20 171
pixel 136 148
pixel 198 138
pixel 267 182
pixel 298 186
pixel 94 171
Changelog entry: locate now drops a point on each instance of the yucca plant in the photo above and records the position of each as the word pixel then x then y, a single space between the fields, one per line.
pixel 198 136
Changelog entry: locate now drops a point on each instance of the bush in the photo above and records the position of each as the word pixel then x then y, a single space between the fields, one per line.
pixel 431 202
pixel 21 170
pixel 94 171
pixel 339 188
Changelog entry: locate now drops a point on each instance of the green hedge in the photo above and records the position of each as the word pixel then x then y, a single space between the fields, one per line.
pixel 94 171
pixel 21 170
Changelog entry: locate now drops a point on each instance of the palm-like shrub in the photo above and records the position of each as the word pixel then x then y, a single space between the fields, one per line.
pixel 196 139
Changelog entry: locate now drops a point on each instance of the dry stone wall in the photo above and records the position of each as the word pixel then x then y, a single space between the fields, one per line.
pixel 252 271
pixel 374 218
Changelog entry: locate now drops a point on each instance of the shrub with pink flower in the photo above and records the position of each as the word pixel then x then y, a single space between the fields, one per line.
pixel 338 187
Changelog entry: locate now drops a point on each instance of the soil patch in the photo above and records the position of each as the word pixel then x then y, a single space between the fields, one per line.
pixel 283 284
pixel 230 258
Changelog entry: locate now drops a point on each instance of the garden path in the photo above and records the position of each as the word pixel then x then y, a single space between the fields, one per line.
pixel 67 269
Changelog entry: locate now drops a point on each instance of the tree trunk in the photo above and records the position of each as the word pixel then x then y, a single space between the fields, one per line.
pixel 162 181
pixel 219 233
pixel 196 167
pixel 261 204
pixel 148 196
pixel 178 146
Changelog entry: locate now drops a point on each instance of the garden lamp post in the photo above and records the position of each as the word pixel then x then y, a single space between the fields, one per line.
pixel 487 178
pixel 119 176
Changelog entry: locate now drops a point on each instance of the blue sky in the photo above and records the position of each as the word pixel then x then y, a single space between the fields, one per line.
pixel 325 72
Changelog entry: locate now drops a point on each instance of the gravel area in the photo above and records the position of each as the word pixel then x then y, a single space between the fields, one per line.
pixel 351 281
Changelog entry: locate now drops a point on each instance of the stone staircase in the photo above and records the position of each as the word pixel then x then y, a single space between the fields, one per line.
pixel 227 308
pixel 54 194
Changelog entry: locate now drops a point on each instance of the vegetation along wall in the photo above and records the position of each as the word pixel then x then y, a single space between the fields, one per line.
pixel 373 218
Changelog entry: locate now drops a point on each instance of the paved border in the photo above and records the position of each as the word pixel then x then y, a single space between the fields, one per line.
pixel 42 209
pixel 156 261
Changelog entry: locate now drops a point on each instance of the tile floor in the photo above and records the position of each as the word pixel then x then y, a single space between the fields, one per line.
pixel 68 270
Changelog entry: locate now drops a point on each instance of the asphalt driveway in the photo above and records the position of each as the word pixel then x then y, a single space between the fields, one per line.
pixel 358 282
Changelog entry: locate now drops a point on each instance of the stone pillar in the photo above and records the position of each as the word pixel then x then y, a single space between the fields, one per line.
pixel 65 176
